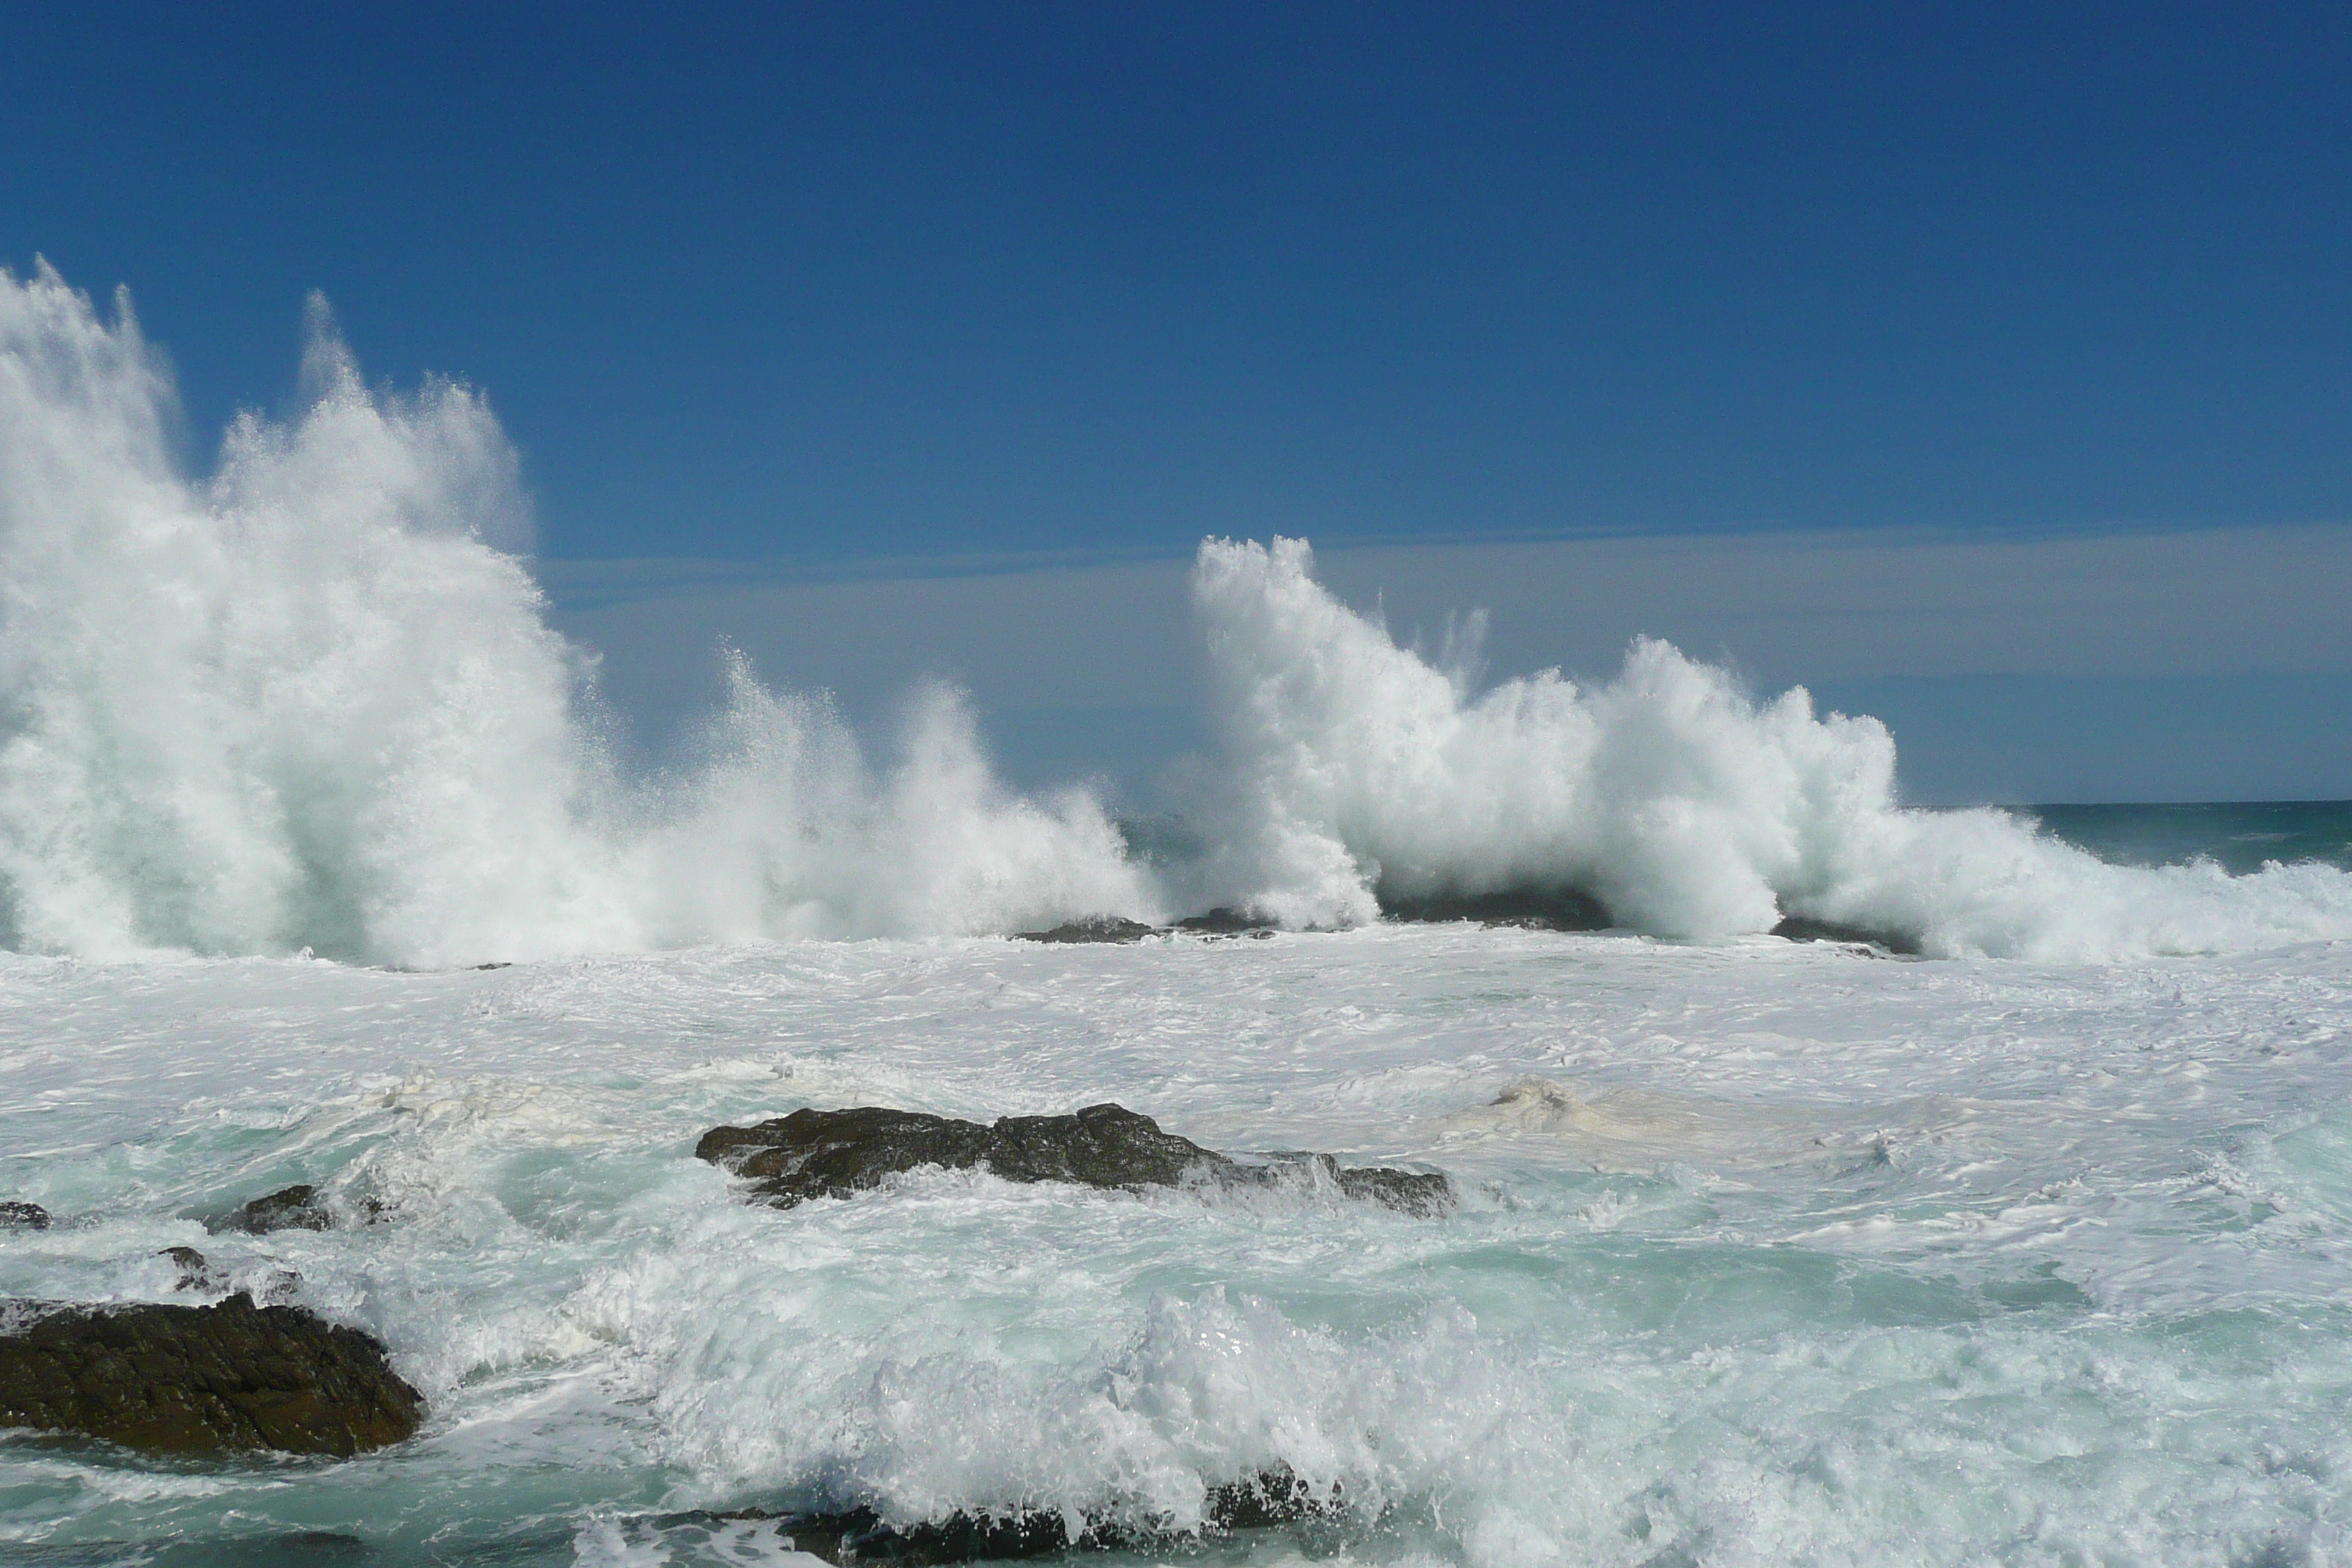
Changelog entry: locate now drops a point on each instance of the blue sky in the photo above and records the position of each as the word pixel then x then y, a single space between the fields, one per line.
pixel 813 285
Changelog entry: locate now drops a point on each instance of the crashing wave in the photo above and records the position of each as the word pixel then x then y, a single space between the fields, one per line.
pixel 313 702
pixel 1359 773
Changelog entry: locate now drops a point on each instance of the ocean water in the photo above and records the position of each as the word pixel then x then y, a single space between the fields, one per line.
pixel 2031 1244
pixel 2239 836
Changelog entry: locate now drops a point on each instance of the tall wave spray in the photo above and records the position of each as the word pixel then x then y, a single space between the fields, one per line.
pixel 313 702
pixel 1684 807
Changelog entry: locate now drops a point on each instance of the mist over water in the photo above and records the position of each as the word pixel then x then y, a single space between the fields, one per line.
pixel 312 702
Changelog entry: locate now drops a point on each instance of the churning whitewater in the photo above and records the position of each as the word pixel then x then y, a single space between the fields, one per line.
pixel 313 703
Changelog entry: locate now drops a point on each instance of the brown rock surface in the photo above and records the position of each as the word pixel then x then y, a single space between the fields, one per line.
pixel 204 1379
pixel 838 1153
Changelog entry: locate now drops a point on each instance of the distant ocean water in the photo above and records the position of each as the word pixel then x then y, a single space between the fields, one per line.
pixel 2238 836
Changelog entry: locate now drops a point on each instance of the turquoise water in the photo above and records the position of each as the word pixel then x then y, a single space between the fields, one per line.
pixel 2238 836
pixel 1771 1252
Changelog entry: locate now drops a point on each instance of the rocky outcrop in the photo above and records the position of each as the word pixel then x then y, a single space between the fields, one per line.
pixel 297 1207
pixel 17 1215
pixel 204 1380
pixel 1223 920
pixel 1803 928
pixel 838 1153
pixel 1114 929
pixel 1093 928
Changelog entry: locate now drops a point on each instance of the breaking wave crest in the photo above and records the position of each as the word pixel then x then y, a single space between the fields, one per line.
pixel 313 702
pixel 1357 769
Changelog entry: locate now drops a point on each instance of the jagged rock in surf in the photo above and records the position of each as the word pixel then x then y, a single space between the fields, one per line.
pixel 1276 1496
pixel 1093 928
pixel 17 1215
pixel 195 1273
pixel 1537 908
pixel 1226 920
pixel 1803 928
pixel 839 1153
pixel 204 1379
pixel 289 1208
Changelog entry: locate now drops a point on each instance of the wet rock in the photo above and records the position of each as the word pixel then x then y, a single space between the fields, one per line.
pixel 204 1379
pixel 195 1273
pixel 17 1215
pixel 859 1535
pixel 297 1207
pixel 838 1153
pixel 1537 908
pixel 1224 920
pixel 1803 928
pixel 1274 1497
pixel 1093 928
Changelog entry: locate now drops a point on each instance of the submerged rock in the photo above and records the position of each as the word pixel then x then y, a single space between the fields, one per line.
pixel 838 1153
pixel 289 1208
pixel 1093 928
pixel 204 1379
pixel 17 1215
pixel 1274 1497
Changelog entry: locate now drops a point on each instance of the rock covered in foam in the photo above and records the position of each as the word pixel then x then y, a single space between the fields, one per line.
pixel 204 1379
pixel 838 1153
pixel 297 1207
pixel 1275 1496
pixel 17 1215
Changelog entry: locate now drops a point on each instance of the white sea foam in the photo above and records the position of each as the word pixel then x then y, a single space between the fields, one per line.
pixel 1948 1263
pixel 1687 807
pixel 313 702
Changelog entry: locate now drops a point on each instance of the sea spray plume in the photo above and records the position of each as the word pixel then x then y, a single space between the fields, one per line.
pixel 1684 805
pixel 306 704
pixel 780 828
pixel 314 703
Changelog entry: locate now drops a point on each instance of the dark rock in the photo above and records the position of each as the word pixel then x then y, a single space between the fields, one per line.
pixel 1803 928
pixel 1226 921
pixel 195 1274
pixel 1275 1497
pixel 289 1208
pixel 1538 908
pixel 838 1153
pixel 17 1215
pixel 204 1379
pixel 1423 1193
pixel 858 1536
pixel 1093 928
